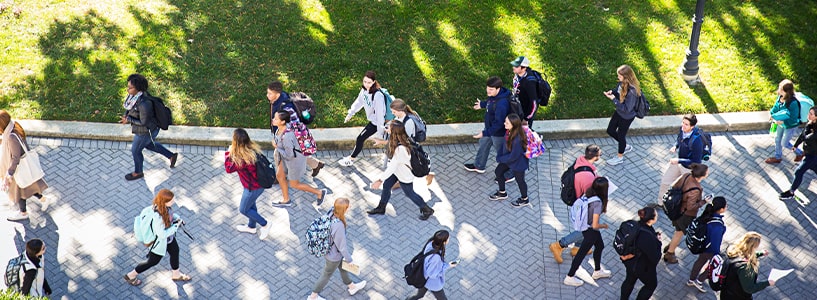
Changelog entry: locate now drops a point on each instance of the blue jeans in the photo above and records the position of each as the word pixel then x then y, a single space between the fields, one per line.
pixel 408 189
pixel 144 141
pixel 808 163
pixel 485 144
pixel 248 208
pixel 785 135
pixel 574 237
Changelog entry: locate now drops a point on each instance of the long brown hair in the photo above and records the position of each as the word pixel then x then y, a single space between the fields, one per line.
pixel 516 132
pixel 746 248
pixel 5 119
pixel 398 137
pixel 629 80
pixel 400 105
pixel 373 76
pixel 341 206
pixel 787 86
pixel 599 189
pixel 243 151
pixel 160 202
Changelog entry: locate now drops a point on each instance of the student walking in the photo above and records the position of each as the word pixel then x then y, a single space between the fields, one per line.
pixel 411 122
pixel 397 169
pixel 338 252
pixel 714 236
pixel 290 162
pixel 280 100
pixel 145 128
pixel 434 267
pixel 373 101
pixel 497 109
pixel 809 140
pixel 164 224
pixel 585 173
pixel 692 200
pixel 690 147
pixel 786 114
pixel 511 156
pixel 597 204
pixel 642 265
pixel 624 96
pixel 34 282
pixel 14 145
pixel 241 158
pixel 525 87
pixel 741 279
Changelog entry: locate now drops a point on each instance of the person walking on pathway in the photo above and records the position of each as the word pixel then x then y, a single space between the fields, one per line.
pixel 596 196
pixel 164 225
pixel 412 123
pixel 809 140
pixel 372 99
pixel 434 267
pixel 692 200
pixel 642 265
pixel 240 158
pixel 34 282
pixel 624 96
pixel 280 100
pixel 145 128
pixel 511 156
pixel 715 229
pixel 786 114
pixel 690 147
pixel 525 87
pixel 338 252
pixel 497 109
pixel 14 145
pixel 585 174
pixel 741 278
pixel 290 162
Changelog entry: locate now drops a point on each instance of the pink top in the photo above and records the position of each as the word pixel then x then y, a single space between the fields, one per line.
pixel 583 180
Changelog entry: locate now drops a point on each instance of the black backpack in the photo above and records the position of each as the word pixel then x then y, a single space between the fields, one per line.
pixel 415 270
pixel 720 269
pixel 568 189
pixel 625 238
pixel 12 277
pixel 419 127
pixel 304 106
pixel 163 115
pixel 516 106
pixel 705 137
pixel 543 89
pixel 696 234
pixel 674 200
pixel 642 106
pixel 420 163
pixel 264 171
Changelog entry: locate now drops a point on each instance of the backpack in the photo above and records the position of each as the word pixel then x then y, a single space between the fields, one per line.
pixel 696 238
pixel 535 146
pixel 305 107
pixel 389 99
pixel 516 106
pixel 626 235
pixel 318 233
pixel 578 213
pixel 419 127
pixel 543 89
pixel 569 183
pixel 705 137
pixel 143 227
pixel 304 137
pixel 163 115
pixel 673 200
pixel 420 164
pixel 642 106
pixel 414 271
pixel 264 171
pixel 719 268
pixel 805 103
pixel 13 279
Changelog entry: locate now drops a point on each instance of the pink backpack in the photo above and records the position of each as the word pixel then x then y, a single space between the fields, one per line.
pixel 305 139
pixel 535 145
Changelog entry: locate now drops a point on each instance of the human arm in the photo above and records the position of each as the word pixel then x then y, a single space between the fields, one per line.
pixel 356 105
pixel 748 279
pixel 808 134
pixel 401 158
pixel 410 126
pixel 16 153
pixel 435 267
pixel 145 112
pixel 379 117
pixel 715 231
pixel 596 225
pixel 529 86
pixel 499 114
pixel 696 152
pixel 479 104
pixel 229 165
pixel 28 280
pixel 509 157
pixel 46 287
pixel 339 239
pixel 286 145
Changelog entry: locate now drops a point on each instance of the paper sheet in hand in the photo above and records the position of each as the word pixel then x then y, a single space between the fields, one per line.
pixel 611 187
pixel 776 274
pixel 351 268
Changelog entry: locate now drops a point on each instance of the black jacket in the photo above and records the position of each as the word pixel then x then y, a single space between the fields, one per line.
pixel 649 251
pixel 141 116
pixel 527 93
pixel 809 139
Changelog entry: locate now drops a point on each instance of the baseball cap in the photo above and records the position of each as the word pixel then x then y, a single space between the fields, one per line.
pixel 521 61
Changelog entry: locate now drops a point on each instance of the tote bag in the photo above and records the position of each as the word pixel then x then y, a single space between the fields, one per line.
pixel 29 169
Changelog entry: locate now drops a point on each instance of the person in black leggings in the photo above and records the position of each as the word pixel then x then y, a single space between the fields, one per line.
pixel 511 156
pixel 642 266
pixel 624 96
pixel 372 99
pixel 596 198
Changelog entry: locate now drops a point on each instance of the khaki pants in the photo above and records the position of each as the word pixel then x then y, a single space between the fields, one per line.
pixel 670 175
pixel 312 162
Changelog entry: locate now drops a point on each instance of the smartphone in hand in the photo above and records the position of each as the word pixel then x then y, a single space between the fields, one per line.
pixel 455 262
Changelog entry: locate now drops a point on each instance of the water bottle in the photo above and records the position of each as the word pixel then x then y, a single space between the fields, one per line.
pixel 306 114
pixel 773 129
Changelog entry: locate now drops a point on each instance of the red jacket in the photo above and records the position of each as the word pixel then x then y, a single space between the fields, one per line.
pixel 246 173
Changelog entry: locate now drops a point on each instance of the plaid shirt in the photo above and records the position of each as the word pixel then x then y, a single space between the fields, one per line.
pixel 246 173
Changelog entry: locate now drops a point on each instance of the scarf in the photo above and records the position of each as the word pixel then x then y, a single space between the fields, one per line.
pixel 130 100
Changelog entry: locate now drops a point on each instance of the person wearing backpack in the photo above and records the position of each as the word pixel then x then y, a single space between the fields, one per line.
pixel 280 100
pixel 34 283
pixel 240 158
pixel 511 156
pixel 493 133
pixel 786 114
pixel 596 204
pixel 145 129
pixel 809 140
pixel 338 252
pixel 624 96
pixel 164 226
pixel 584 174
pixel 398 169
pixel 372 99
pixel 525 85
pixel 434 267
pixel 690 147
pixel 692 199
pixel 290 162
pixel 642 264
pixel 13 146
pixel 414 125
pixel 714 236
pixel 741 278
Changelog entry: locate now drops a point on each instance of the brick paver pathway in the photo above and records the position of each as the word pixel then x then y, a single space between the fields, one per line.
pixel 503 250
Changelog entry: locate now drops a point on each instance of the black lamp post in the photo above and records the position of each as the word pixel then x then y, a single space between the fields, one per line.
pixel 690 69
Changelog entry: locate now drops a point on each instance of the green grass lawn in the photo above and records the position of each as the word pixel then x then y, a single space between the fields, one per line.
pixel 212 59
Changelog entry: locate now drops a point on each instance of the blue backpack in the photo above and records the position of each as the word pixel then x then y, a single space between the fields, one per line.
pixel 143 227
pixel 318 233
pixel 578 213
pixel 389 99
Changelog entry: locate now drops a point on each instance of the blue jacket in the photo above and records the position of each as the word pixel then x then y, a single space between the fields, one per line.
pixel 434 270
pixel 627 109
pixel 714 234
pixel 691 149
pixel 278 105
pixel 515 158
pixel 496 109
pixel 789 115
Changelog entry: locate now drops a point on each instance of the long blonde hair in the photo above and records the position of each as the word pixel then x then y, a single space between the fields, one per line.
pixel 746 248
pixel 629 79
pixel 243 151
pixel 341 205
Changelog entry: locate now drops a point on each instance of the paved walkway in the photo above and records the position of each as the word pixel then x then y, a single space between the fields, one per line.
pixel 503 250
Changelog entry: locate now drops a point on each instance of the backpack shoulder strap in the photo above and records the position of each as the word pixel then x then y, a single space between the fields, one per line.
pixel 583 169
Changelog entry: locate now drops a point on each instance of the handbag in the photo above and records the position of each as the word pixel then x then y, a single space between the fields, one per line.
pixel 29 169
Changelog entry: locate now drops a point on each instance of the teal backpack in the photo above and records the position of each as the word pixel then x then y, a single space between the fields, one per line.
pixel 806 103
pixel 143 227
pixel 389 99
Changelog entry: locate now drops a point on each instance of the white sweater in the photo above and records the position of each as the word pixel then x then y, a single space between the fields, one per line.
pixel 375 110
pixel 399 165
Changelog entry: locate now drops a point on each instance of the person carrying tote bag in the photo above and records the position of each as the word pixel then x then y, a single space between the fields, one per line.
pixel 14 147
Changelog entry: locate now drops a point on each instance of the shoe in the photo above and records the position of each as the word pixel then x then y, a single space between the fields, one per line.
pixel 19 216
pixel 697 284
pixel 264 232
pixel 245 228
pixel 346 161
pixel 317 169
pixel 173 159
pixel 323 196
pixel 573 281
pixel 627 148
pixel 575 250
pixel 499 195
pixel 773 160
pixel 473 168
pixel 602 274
pixel 666 248
pixel 45 203
pixel 430 178
pixel 316 298
pixel 282 204
pixel 615 161
pixel 426 213
pixel 376 211
pixel 357 287
pixel 520 203
pixel 799 158
pixel 130 176
pixel 670 258
pixel 509 180
pixel 787 195
pixel 557 249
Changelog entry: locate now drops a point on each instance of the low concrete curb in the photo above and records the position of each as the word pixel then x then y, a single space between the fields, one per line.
pixel 344 138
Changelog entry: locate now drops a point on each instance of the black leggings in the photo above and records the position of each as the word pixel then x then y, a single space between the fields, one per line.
pixel 22 203
pixel 367 132
pixel 154 259
pixel 520 179
pixel 617 129
pixel 649 278
pixel 439 295
pixel 592 238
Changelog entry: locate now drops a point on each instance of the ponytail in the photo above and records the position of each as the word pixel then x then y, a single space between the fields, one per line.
pixel 646 214
pixel 717 204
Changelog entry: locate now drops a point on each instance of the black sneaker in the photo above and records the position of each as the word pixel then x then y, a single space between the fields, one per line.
pixel 520 203
pixel 498 196
pixel 473 168
pixel 787 195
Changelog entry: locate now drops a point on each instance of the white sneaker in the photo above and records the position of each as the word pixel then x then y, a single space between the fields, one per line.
pixel 627 148
pixel 346 161
pixel 697 284
pixel 316 298
pixel 17 217
pixel 615 161
pixel 264 232
pixel 573 281
pixel 46 202
pixel 245 228
pixel 357 287
pixel 602 274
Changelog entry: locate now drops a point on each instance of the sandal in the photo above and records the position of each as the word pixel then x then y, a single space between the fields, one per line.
pixel 133 282
pixel 183 277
